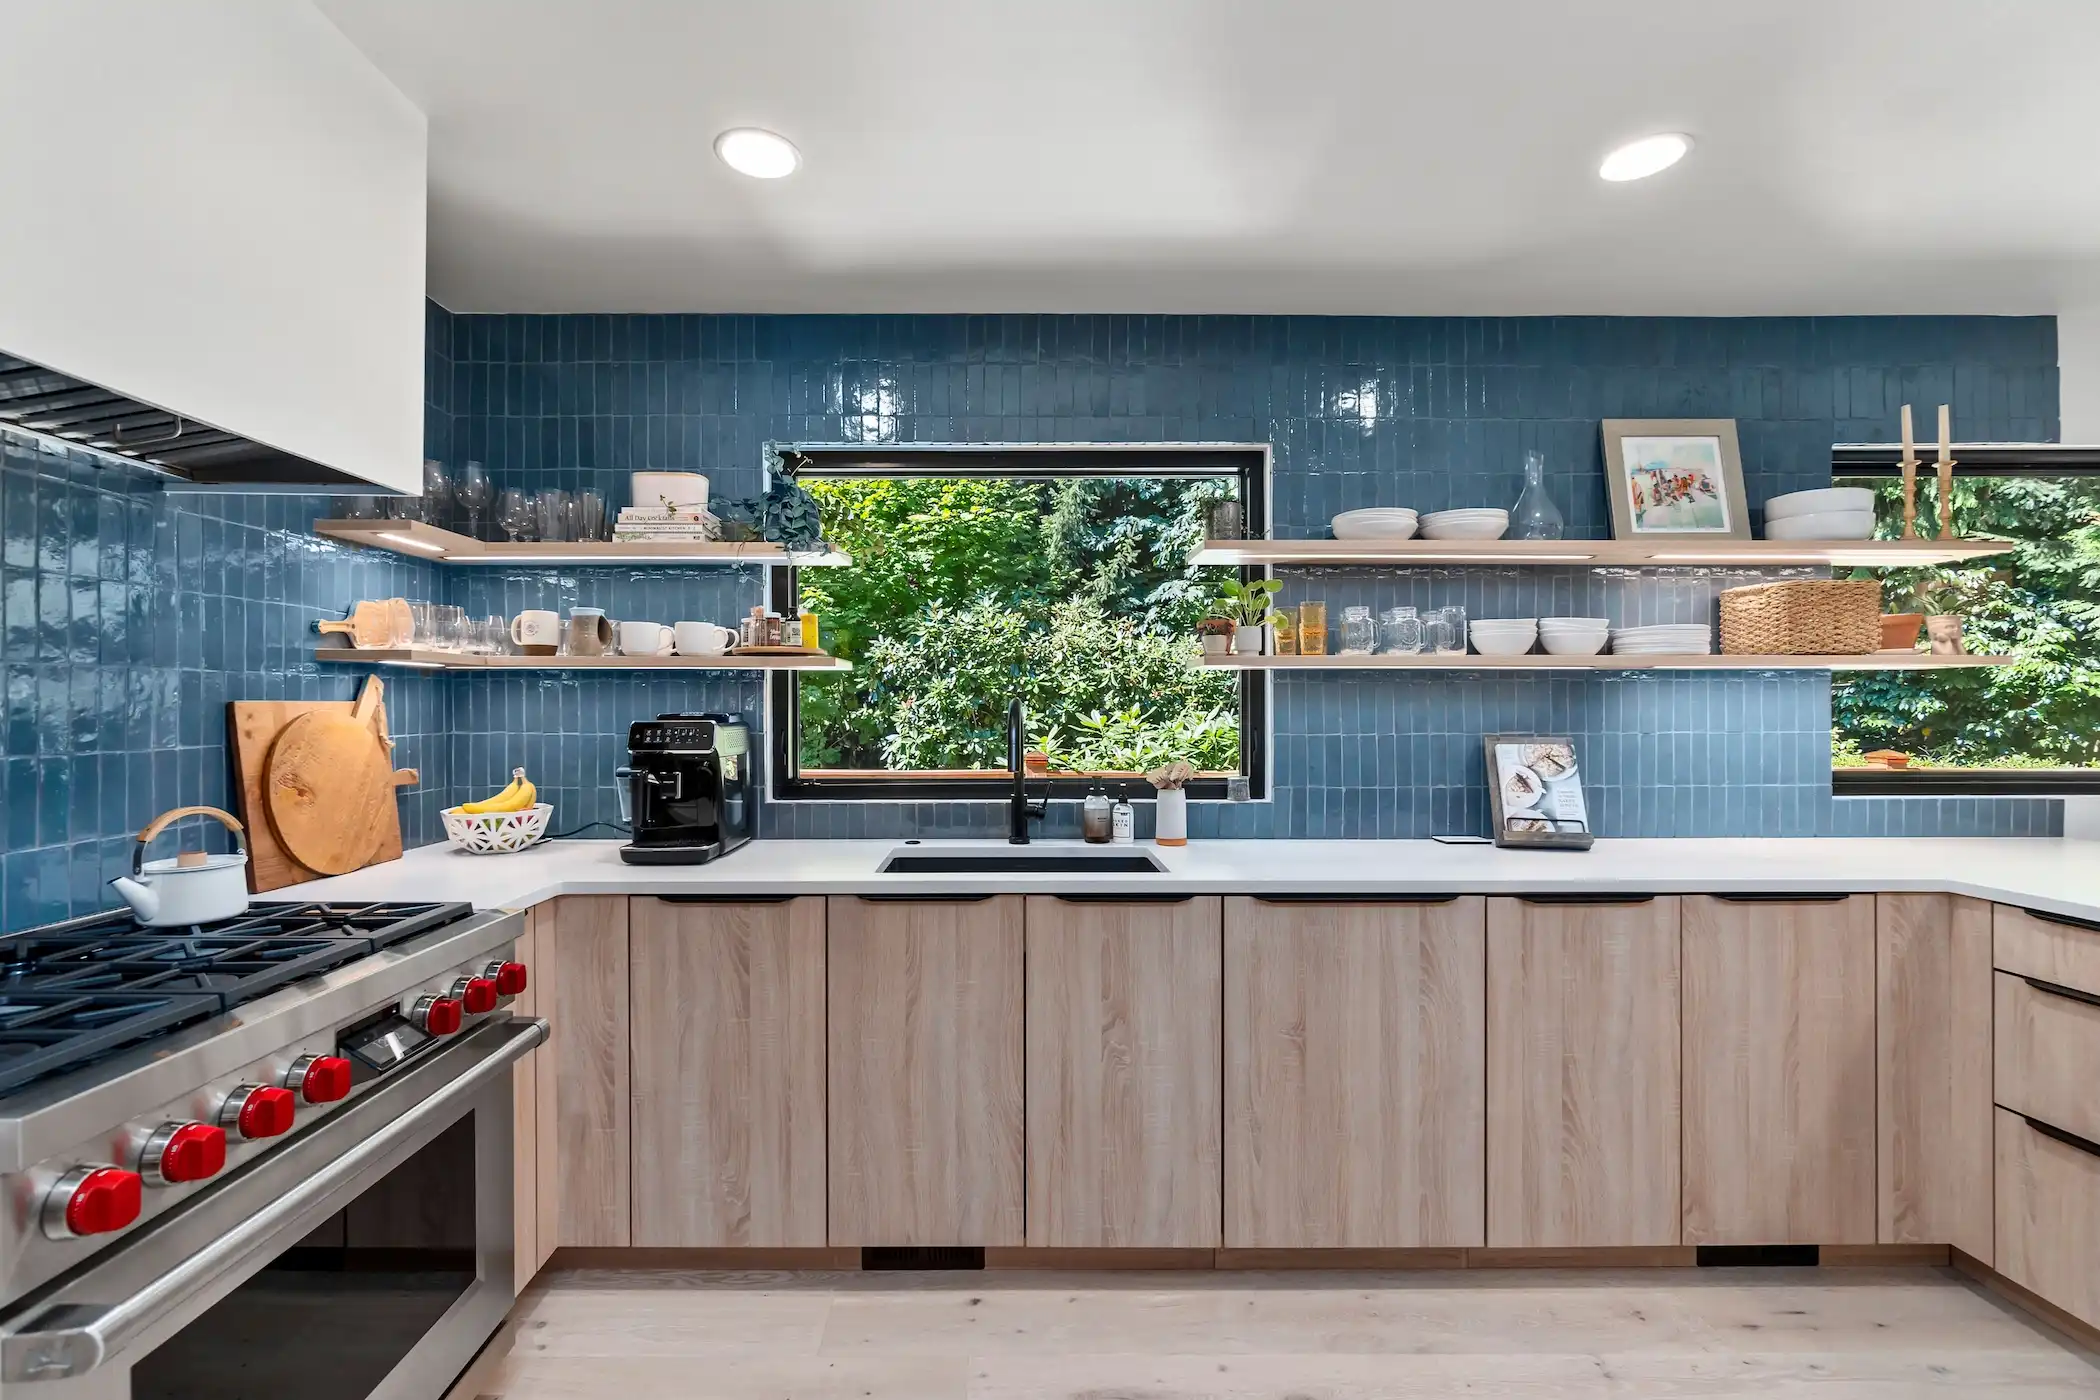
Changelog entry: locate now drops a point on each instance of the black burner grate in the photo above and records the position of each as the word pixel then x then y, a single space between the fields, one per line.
pixel 45 1031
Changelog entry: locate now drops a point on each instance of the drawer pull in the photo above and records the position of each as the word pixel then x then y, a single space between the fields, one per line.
pixel 2057 989
pixel 1123 898
pixel 2065 919
pixel 1820 897
pixel 1587 898
pixel 1397 899
pixel 924 898
pixel 2048 1130
pixel 725 898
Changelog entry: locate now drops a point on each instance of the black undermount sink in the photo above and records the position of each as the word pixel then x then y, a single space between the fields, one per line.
pixel 1018 861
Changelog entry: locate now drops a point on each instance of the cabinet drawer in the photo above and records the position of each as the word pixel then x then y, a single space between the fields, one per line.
pixel 2047 1045
pixel 2032 946
pixel 2049 1215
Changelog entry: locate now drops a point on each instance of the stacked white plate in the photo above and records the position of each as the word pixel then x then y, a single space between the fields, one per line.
pixel 1667 639
pixel 1503 636
pixel 1465 524
pixel 1833 513
pixel 1377 523
pixel 1574 636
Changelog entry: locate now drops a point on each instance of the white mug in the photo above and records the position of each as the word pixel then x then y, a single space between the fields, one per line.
pixel 536 631
pixel 701 638
pixel 644 639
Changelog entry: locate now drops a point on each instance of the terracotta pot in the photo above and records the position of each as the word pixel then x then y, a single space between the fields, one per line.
pixel 1899 631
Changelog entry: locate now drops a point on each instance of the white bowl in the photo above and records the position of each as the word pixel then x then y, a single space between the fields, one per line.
pixel 655 490
pixel 1831 498
pixel 1574 624
pixel 1513 637
pixel 1828 525
pixel 1382 528
pixel 497 833
pixel 1572 643
pixel 1465 525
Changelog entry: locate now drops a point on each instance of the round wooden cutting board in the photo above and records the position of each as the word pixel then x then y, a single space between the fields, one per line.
pixel 327 786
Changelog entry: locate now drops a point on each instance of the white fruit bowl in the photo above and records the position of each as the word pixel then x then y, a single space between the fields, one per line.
pixel 1826 525
pixel 1375 525
pixel 1503 637
pixel 1573 643
pixel 1465 525
pixel 1820 502
pixel 497 833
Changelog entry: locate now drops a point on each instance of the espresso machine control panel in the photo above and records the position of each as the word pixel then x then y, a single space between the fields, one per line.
pixel 671 736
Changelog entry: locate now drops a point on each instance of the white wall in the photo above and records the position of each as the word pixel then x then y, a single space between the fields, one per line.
pixel 2078 372
pixel 217 206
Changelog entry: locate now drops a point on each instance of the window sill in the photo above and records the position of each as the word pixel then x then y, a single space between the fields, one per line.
pixel 1974 782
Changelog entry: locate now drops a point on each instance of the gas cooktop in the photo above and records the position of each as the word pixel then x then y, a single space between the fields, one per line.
pixel 72 992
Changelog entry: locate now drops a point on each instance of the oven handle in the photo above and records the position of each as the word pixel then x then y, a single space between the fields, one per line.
pixel 70 1351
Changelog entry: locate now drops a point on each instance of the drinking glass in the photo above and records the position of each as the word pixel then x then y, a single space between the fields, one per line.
pixel 437 492
pixel 516 514
pixel 474 492
pixel 495 636
pixel 1401 632
pixel 449 623
pixel 422 630
pixel 1358 633
pixel 557 516
pixel 359 507
pixel 1451 631
pixel 404 508
pixel 590 516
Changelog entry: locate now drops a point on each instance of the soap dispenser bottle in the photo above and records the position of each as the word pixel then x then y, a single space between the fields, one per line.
pixel 1122 820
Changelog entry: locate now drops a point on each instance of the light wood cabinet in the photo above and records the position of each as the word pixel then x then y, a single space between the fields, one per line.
pixel 1582 1074
pixel 728 1069
pixel 1124 1001
pixel 925 1086
pixel 2048 1043
pixel 1779 1066
pixel 2063 951
pixel 2048 1193
pixel 1354 1074
pixel 582 1113
pixel 525 1143
pixel 1933 1071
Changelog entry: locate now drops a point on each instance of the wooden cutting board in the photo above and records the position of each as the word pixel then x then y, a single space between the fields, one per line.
pixel 254 728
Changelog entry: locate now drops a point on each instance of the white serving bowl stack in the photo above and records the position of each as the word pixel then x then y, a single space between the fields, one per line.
pixel 1574 636
pixel 1376 523
pixel 1465 524
pixel 1503 636
pixel 1665 639
pixel 1833 513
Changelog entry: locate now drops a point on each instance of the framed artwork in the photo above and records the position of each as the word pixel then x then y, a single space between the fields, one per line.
pixel 1675 476
pixel 1535 792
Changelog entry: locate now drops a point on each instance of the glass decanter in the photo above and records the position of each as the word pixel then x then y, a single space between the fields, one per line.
pixel 1535 516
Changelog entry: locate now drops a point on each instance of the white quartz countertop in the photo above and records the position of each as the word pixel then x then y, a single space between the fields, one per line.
pixel 2053 876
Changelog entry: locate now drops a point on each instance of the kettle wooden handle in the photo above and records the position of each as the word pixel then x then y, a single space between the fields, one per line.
pixel 168 818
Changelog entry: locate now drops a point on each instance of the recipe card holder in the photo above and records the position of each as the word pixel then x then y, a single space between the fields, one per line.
pixel 1560 820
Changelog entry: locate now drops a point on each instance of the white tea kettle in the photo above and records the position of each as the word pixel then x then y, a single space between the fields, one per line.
pixel 193 888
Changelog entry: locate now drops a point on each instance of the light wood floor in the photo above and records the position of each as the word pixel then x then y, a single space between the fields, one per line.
pixel 1830 1334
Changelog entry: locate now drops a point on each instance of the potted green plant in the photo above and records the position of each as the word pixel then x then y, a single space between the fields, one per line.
pixel 1251 606
pixel 1216 635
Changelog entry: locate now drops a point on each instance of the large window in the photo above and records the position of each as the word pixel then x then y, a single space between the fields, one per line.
pixel 1059 577
pixel 2033 727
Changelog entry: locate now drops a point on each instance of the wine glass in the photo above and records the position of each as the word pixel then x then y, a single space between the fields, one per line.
pixel 473 492
pixel 514 512
pixel 437 491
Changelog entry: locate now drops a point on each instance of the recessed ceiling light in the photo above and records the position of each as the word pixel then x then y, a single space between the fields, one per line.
pixel 1637 160
pixel 759 154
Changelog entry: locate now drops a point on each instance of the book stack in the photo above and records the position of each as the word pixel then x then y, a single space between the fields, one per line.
pixel 682 524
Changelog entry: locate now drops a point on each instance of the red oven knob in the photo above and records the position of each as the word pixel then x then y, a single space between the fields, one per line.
pixel 91 1201
pixel 179 1152
pixel 257 1111
pixel 435 1015
pixel 477 995
pixel 319 1078
pixel 509 977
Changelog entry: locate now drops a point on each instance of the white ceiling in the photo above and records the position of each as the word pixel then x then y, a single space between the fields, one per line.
pixel 1315 156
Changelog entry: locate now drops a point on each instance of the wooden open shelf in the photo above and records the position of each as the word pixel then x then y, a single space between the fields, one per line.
pixel 456 661
pixel 1681 553
pixel 420 541
pixel 1873 661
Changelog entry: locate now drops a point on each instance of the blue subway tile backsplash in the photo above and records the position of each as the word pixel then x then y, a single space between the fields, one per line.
pixel 129 614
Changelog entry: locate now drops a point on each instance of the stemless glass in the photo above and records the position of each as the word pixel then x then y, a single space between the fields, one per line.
pixel 474 492
pixel 590 516
pixel 557 516
pixel 451 625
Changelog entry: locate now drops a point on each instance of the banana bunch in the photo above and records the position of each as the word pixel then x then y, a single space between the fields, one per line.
pixel 520 795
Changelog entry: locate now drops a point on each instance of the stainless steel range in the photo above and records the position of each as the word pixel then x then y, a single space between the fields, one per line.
pixel 266 1156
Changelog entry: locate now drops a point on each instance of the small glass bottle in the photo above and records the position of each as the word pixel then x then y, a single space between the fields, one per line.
pixel 1359 636
pixel 1312 629
pixel 1095 818
pixel 1535 517
pixel 1401 634
pixel 1122 820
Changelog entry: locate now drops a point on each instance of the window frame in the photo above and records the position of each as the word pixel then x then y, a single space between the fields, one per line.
pixel 1249 462
pixel 1850 461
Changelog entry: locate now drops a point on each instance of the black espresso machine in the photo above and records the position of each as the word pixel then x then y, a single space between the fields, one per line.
pixel 691 792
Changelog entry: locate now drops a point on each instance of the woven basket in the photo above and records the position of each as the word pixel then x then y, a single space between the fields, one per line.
pixel 1810 618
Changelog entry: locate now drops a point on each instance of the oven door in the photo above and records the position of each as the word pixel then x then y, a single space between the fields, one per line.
pixel 370 1257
